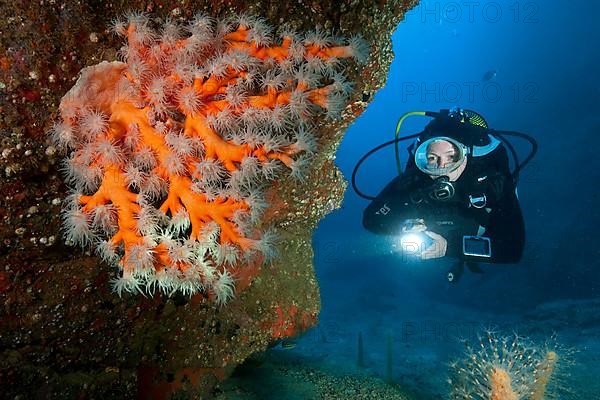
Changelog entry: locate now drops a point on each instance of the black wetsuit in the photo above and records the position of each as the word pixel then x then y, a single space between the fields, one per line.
pixel 485 197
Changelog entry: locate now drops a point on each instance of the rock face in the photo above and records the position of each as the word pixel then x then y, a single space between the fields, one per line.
pixel 63 333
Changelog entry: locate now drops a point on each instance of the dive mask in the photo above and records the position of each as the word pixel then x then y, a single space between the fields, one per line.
pixel 440 156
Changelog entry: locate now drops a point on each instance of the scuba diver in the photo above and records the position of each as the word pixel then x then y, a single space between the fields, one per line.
pixel 456 197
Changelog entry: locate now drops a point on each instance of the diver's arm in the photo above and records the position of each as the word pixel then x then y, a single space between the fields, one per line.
pixel 507 228
pixel 390 209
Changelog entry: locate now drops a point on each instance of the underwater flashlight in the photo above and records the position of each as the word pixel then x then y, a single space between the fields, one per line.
pixel 414 243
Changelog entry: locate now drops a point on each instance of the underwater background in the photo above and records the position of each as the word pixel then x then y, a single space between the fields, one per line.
pixel 527 66
pixel 546 85
pixel 382 327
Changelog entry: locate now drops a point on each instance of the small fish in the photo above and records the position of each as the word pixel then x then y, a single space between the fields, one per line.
pixel 288 344
pixel 489 75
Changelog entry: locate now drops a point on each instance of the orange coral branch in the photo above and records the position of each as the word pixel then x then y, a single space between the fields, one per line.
pixel 543 374
pixel 202 211
pixel 114 190
pixel 214 146
pixel 501 386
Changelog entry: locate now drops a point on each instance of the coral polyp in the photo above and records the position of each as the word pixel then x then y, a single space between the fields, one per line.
pixel 171 148
pixel 510 368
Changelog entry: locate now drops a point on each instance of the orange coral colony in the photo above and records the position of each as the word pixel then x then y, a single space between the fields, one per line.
pixel 171 149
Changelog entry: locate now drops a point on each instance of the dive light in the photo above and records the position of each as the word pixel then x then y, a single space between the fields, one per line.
pixel 413 239
pixel 415 243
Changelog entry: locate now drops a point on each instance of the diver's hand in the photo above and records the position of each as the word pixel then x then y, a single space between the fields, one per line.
pixel 437 249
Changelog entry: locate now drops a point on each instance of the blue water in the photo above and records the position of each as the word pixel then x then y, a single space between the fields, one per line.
pixel 545 54
pixel 547 85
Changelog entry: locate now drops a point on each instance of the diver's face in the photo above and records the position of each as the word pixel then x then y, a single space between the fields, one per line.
pixel 441 154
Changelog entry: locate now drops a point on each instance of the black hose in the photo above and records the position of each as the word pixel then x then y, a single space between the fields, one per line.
pixel 532 142
pixel 499 134
pixel 513 152
pixel 363 158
